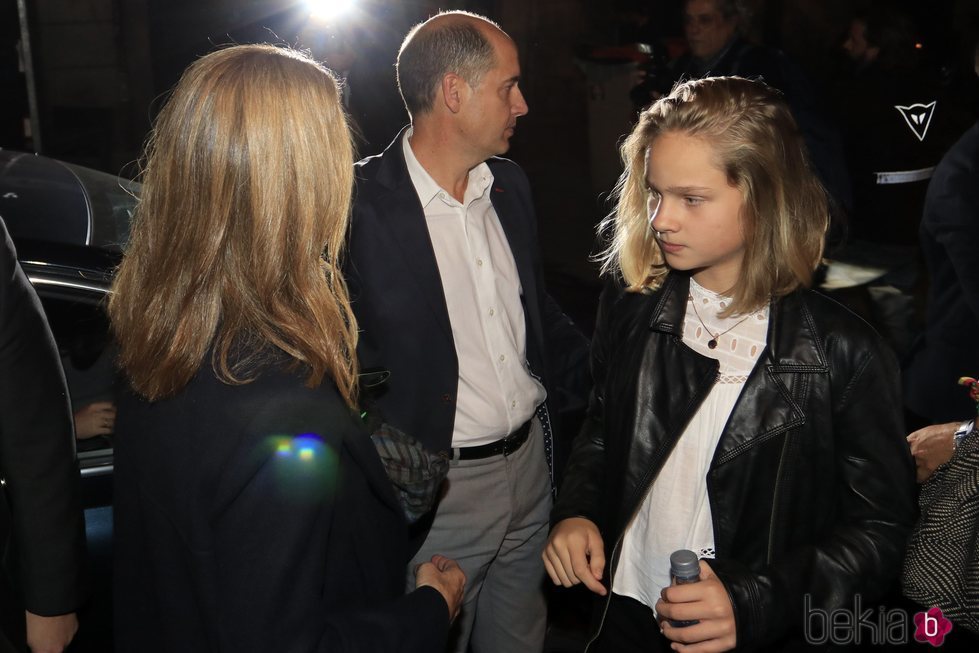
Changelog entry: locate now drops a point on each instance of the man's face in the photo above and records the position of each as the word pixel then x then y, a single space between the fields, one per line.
pixel 490 112
pixel 856 45
pixel 706 29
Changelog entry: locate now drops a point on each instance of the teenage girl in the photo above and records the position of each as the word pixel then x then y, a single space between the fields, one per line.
pixel 736 413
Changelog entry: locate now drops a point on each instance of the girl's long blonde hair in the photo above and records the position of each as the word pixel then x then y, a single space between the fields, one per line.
pixel 239 229
pixel 759 147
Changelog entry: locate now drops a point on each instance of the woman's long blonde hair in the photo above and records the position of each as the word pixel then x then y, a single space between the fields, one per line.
pixel 239 228
pixel 759 147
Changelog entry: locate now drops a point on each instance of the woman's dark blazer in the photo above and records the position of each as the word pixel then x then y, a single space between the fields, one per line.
pixel 258 517
pixel 811 486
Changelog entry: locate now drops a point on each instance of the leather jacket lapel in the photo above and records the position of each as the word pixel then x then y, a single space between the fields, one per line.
pixel 772 398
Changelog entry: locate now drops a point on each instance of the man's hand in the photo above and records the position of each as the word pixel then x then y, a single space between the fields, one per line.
pixel 706 601
pixel 50 634
pixel 445 575
pixel 575 554
pixel 931 448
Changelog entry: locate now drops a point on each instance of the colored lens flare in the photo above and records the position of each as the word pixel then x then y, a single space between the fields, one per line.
pixel 305 466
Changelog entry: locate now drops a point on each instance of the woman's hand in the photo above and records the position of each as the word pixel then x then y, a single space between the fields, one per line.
pixel 931 448
pixel 445 575
pixel 706 601
pixel 575 554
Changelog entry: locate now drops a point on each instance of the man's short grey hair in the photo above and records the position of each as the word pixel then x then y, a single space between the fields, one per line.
pixel 732 9
pixel 429 53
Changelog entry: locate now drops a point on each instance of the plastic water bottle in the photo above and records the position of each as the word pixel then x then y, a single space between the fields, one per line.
pixel 684 568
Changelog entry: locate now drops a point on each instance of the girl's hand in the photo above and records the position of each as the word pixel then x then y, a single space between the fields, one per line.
pixel 97 418
pixel 706 601
pixel 575 554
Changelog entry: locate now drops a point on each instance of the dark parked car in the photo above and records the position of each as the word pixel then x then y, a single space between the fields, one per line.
pixel 69 225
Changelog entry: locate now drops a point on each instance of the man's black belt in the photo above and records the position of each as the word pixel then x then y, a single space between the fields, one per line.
pixel 505 446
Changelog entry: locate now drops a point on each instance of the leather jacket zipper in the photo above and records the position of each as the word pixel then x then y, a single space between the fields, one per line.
pixel 775 493
pixel 608 597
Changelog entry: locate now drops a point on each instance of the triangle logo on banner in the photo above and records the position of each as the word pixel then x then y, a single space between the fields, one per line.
pixel 918 117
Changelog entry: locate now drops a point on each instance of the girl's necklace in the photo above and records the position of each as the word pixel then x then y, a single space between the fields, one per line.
pixel 712 343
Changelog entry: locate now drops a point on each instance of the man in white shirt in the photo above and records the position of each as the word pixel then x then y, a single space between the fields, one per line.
pixel 447 288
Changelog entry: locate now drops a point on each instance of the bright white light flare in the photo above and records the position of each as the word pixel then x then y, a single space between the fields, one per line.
pixel 323 10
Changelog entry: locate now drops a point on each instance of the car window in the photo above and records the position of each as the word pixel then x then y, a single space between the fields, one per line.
pixel 81 330
pixel 112 201
pixel 51 201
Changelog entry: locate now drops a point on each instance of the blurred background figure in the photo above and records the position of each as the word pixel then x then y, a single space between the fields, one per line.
pixel 718 46
pixel 712 28
pixel 949 239
pixel 897 121
pixel 715 47
pixel 252 512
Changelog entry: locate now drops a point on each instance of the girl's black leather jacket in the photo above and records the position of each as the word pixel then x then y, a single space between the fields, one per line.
pixel 812 484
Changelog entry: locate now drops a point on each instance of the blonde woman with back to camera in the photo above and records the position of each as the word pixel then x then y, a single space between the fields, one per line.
pixel 252 512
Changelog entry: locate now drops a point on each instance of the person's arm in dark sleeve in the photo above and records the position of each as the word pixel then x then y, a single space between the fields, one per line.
pixel 568 351
pixel 37 463
pixel 581 490
pixel 575 551
pixel 37 449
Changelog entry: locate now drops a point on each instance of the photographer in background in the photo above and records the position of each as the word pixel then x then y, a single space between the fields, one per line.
pixel 717 47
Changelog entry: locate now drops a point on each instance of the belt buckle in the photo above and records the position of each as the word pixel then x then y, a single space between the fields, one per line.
pixel 513 441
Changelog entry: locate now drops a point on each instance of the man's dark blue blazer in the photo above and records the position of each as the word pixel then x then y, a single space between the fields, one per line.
pixel 397 297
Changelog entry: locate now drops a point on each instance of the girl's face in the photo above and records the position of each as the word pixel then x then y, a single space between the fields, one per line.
pixel 695 212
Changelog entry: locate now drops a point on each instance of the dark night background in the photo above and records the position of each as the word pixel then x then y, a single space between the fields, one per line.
pixel 102 68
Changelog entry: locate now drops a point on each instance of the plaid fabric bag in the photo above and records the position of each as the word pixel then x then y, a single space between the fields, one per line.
pixel 415 472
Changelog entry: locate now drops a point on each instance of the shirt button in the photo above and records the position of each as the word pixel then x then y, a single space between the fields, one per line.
pixel 502 358
pixel 513 404
pixel 447 398
pixel 492 312
pixel 479 262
